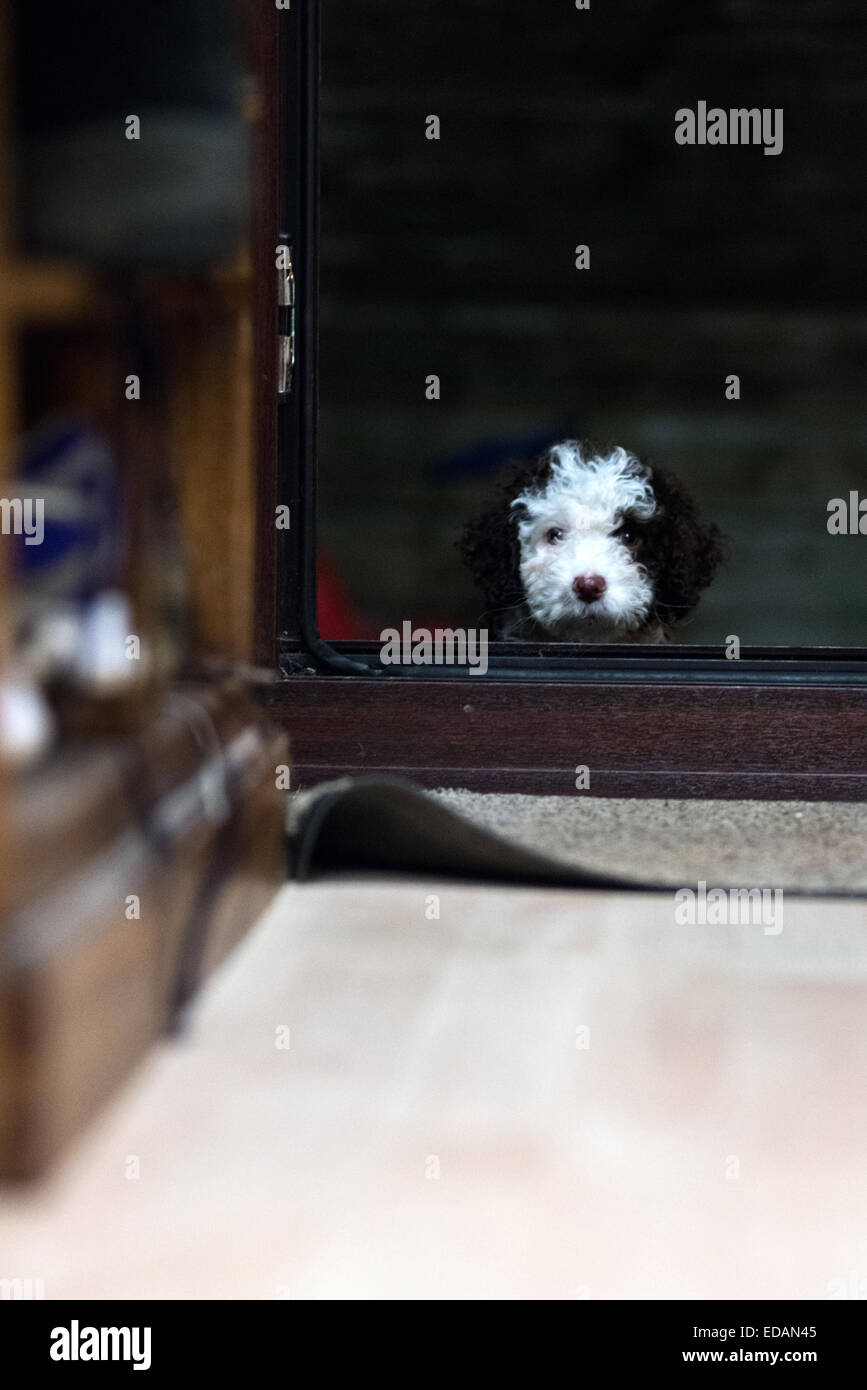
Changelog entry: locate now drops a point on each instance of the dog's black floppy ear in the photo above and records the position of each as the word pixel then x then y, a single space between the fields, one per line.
pixel 681 551
pixel 491 551
pixel 490 547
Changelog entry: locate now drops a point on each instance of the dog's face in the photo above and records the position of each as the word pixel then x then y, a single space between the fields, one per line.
pixel 591 545
pixel 580 545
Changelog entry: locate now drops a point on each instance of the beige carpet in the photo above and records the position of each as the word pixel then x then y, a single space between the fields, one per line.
pixel 814 846
pixel 387 825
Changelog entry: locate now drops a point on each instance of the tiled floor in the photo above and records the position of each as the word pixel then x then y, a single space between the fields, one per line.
pixel 487 1092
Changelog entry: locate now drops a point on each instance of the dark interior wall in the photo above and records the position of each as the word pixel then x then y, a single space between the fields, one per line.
pixel 456 257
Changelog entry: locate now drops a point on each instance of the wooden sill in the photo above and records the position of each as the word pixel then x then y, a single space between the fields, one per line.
pixel 638 740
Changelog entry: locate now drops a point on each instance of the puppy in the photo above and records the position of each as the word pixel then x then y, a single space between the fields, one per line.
pixel 588 545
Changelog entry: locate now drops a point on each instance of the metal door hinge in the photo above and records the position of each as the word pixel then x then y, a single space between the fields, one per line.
pixel 286 313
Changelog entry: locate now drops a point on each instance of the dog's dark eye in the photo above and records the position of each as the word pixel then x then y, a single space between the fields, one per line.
pixel 625 533
pixel 554 534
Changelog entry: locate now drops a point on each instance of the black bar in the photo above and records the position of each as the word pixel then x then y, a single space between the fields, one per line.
pixel 256 1339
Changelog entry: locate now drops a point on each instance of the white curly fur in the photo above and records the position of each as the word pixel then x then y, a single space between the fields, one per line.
pixel 586 500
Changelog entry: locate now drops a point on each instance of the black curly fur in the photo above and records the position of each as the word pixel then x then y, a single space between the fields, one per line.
pixel 680 550
pixel 489 545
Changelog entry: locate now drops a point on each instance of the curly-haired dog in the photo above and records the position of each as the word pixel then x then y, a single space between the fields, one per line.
pixel 591 546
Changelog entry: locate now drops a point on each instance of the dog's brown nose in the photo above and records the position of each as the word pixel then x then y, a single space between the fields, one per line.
pixel 589 587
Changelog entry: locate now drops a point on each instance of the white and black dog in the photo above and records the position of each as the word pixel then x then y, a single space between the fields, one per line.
pixel 589 545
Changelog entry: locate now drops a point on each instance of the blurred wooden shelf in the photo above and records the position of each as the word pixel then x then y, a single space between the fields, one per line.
pixel 129 798
pixel 34 291
pixel 228 286
pixel 138 864
pixel 47 292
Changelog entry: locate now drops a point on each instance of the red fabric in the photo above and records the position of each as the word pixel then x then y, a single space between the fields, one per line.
pixel 339 620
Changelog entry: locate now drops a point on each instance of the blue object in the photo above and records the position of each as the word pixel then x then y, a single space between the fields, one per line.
pixel 70 466
pixel 489 455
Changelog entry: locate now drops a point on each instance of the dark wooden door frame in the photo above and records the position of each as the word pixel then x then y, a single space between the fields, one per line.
pixel 682 722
